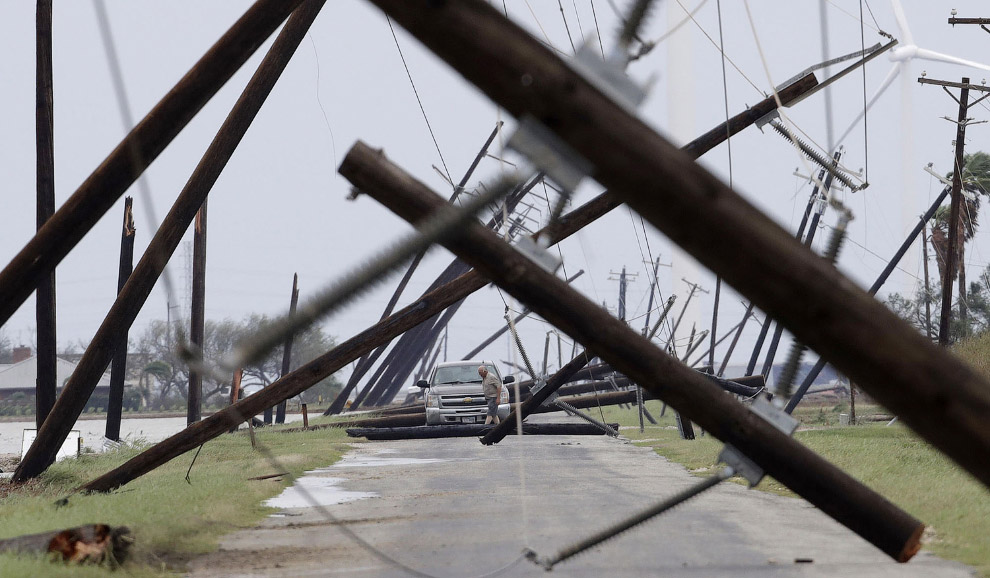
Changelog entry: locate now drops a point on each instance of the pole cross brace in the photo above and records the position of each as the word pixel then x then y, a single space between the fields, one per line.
pixel 609 77
pixel 549 153
pixel 741 464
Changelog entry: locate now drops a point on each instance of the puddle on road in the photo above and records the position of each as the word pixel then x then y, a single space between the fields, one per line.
pixel 375 461
pixel 322 490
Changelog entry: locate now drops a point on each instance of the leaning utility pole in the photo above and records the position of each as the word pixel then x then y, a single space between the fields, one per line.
pixel 877 284
pixel 118 367
pixel 46 385
pixel 954 226
pixel 197 315
pixel 94 362
pixel 140 147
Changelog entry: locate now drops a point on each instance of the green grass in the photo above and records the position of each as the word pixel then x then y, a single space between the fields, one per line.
pixel 172 520
pixel 893 461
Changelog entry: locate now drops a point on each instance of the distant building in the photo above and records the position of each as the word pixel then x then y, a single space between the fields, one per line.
pixel 21 376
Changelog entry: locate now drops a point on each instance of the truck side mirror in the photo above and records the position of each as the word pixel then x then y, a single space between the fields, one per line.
pixel 509 379
pixel 423 383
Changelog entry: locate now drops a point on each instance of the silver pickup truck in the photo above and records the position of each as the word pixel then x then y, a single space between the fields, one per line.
pixel 453 393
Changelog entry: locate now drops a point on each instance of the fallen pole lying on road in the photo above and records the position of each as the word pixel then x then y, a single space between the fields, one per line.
pixel 472 430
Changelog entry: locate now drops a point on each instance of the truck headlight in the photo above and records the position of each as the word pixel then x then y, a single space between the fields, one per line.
pixel 432 400
pixel 504 397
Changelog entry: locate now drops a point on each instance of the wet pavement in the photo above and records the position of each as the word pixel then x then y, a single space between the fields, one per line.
pixel 453 507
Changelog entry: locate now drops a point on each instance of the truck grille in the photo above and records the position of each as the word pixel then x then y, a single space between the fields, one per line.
pixel 463 401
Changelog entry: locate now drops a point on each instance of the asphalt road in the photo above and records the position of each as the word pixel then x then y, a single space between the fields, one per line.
pixel 452 507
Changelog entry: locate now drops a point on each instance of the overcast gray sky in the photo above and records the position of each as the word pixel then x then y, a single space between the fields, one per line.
pixel 280 208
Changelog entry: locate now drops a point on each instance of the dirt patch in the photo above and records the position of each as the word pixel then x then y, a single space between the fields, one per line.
pixel 8 462
pixel 33 487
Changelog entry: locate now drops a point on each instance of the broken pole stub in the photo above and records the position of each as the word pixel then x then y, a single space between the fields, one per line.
pixel 122 313
pixel 287 348
pixel 197 314
pixel 893 531
pixel 118 366
pixel 94 197
pixel 922 384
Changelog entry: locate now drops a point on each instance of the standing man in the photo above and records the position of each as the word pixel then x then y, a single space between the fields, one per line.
pixel 492 386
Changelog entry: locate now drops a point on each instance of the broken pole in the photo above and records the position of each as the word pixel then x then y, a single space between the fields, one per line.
pixel 118 367
pixel 46 384
pixel 411 316
pixel 140 147
pixel 822 308
pixel 235 392
pixel 135 292
pixel 287 350
pixel 197 315
pixel 848 501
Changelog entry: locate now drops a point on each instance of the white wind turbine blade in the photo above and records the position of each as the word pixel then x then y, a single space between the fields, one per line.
pixel 906 38
pixel 894 70
pixel 939 57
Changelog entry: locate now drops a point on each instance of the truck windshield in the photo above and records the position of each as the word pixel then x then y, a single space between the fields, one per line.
pixel 458 374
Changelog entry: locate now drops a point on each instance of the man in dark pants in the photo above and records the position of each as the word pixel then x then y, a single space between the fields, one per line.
pixel 493 390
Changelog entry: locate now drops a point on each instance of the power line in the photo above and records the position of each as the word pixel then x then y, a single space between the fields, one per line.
pixel 416 92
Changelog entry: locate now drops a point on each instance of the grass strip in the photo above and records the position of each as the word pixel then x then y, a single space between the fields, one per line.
pixel 892 460
pixel 172 520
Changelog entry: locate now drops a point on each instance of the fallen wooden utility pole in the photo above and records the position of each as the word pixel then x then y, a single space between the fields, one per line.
pixel 472 430
pixel 149 138
pixel 44 119
pixel 412 315
pixel 923 385
pixel 834 492
pixel 94 543
pixel 134 294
